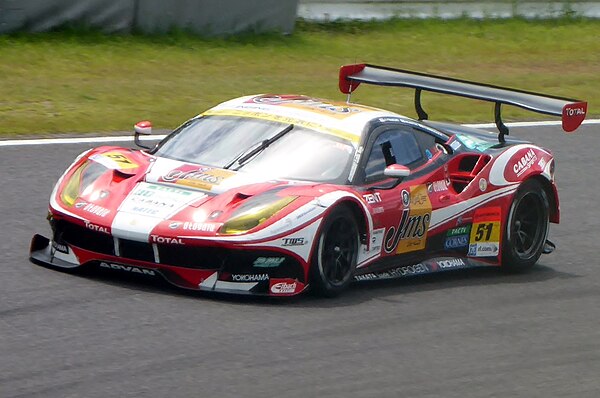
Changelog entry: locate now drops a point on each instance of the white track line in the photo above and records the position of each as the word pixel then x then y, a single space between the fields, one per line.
pixel 86 140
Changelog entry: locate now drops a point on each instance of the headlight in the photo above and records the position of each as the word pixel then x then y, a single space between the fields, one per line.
pixel 254 212
pixel 83 176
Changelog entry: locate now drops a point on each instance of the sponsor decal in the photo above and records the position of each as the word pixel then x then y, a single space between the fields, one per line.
pixel 283 287
pixel 301 101
pixel 485 233
pixel 293 242
pixel 306 212
pixel 405 198
pixel 411 232
pixel 175 224
pixel 157 200
pixel 200 226
pixel 437 186
pixel 268 262
pixel 395 272
pixel 197 177
pixel 525 162
pixel 484 250
pixel 96 210
pixel 60 247
pixel 455 242
pixel 375 246
pixel 462 220
pixel 451 263
pixel 575 111
pixel 542 163
pixel 475 143
pixel 355 162
pixel 389 119
pixel 462 230
pixel 128 268
pixel 166 240
pixel 79 205
pixel 96 227
pixel 378 210
pixel 249 277
pixel 455 145
pixel 372 198
pixel 482 184
pixel 114 161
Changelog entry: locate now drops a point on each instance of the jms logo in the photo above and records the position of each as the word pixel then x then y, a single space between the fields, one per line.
pixel 411 228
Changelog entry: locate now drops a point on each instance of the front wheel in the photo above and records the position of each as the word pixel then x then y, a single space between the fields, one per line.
pixel 334 260
pixel 526 227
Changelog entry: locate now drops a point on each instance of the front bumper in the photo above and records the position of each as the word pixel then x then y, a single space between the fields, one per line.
pixel 252 272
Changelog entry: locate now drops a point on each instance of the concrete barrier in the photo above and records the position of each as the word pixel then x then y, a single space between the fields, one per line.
pixel 331 10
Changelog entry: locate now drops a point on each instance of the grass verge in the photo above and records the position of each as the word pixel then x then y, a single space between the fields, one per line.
pixel 78 81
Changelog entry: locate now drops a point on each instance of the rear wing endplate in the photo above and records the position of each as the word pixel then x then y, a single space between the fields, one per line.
pixel 572 111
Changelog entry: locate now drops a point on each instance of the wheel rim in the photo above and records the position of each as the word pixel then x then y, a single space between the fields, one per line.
pixel 529 225
pixel 338 252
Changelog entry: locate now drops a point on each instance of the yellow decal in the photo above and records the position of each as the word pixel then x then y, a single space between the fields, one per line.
pixel 414 225
pixel 327 109
pixel 486 225
pixel 485 233
pixel 120 161
pixel 199 178
pixel 283 119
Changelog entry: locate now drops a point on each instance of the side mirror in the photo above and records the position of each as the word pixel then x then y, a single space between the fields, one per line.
pixel 396 171
pixel 142 128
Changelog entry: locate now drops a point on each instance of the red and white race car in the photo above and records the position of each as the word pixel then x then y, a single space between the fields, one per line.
pixel 271 194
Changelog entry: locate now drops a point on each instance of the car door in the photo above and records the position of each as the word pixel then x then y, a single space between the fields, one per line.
pixel 401 212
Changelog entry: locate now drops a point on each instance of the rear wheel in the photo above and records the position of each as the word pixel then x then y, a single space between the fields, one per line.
pixel 526 227
pixel 334 260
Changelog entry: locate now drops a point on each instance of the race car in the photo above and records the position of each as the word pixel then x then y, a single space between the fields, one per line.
pixel 275 194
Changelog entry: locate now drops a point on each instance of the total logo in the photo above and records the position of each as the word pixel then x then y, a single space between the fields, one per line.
pixel 285 287
pixel 166 239
pixel 95 227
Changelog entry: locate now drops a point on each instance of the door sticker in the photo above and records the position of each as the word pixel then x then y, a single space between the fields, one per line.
pixel 485 233
pixel 411 233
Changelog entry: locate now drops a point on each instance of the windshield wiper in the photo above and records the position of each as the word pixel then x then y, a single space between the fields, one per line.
pixel 264 144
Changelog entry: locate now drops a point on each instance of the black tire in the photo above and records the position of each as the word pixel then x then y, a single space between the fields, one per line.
pixel 526 227
pixel 334 259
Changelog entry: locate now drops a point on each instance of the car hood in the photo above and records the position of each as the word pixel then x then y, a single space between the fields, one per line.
pixel 141 197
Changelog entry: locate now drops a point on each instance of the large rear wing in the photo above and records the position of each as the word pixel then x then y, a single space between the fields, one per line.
pixel 572 111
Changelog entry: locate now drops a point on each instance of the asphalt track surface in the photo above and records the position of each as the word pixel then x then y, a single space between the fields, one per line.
pixel 459 334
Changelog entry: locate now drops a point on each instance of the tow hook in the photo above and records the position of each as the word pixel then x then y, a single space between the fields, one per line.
pixel 548 247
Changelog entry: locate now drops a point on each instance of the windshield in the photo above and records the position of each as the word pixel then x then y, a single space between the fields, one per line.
pixel 299 153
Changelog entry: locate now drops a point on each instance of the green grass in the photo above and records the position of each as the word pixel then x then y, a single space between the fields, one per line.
pixel 81 81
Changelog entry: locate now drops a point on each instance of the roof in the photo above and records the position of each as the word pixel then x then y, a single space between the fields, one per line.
pixel 342 119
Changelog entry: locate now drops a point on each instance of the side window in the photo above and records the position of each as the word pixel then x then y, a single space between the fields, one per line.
pixel 393 146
